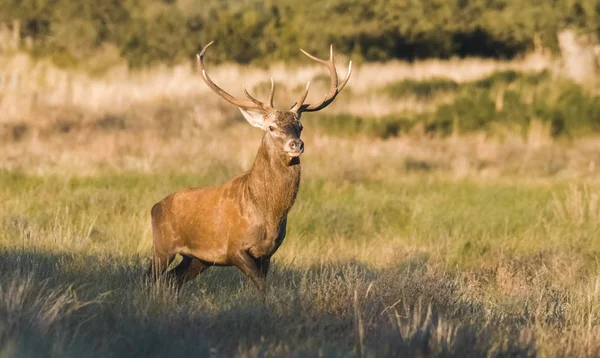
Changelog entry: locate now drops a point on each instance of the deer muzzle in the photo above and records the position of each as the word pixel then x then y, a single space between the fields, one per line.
pixel 294 147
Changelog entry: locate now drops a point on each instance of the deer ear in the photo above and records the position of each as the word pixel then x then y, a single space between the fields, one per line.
pixel 256 119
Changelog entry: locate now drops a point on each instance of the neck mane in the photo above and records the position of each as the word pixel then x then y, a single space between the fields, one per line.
pixel 273 182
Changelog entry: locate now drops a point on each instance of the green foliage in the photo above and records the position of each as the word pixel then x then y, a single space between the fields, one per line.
pixel 169 31
pixel 351 125
pixel 472 111
pixel 564 105
pixel 575 112
pixel 421 89
pixel 500 78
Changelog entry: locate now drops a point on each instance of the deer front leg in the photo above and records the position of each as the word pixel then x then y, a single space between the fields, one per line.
pixel 243 261
pixel 263 266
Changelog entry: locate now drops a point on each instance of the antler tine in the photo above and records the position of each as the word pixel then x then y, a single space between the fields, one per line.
pixel 272 93
pixel 254 100
pixel 253 104
pixel 266 107
pixel 300 103
pixel 334 87
pixel 327 63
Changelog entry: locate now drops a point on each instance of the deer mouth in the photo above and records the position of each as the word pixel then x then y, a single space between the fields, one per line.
pixel 294 154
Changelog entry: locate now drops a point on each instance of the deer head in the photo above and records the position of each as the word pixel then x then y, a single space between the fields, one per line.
pixel 282 127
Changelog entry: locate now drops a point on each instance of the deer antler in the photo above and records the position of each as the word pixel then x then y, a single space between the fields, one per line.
pixel 250 104
pixel 334 88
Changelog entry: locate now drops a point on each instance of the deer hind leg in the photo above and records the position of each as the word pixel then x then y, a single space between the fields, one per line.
pixel 162 254
pixel 243 261
pixel 160 263
pixel 187 269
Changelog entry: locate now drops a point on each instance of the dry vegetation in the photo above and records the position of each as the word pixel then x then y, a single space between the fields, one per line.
pixel 416 244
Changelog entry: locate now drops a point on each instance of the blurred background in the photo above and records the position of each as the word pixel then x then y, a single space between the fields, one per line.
pixel 438 68
pixel 450 197
pixel 143 33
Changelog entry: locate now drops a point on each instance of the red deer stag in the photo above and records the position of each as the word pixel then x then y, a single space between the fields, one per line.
pixel 243 222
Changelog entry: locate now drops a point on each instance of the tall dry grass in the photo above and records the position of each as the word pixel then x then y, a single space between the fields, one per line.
pixel 403 265
pixel 27 85
pixel 54 120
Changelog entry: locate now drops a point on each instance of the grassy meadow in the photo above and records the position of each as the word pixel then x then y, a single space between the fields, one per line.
pixel 447 208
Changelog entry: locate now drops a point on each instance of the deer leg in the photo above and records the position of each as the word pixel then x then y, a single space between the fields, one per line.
pixel 248 266
pixel 263 266
pixel 187 269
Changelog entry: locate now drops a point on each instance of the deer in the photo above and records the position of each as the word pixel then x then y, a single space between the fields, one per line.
pixel 243 222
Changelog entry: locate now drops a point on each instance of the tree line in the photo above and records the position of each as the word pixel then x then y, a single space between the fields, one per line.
pixel 169 31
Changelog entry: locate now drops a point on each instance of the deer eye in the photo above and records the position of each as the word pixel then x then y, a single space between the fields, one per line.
pixel 271 128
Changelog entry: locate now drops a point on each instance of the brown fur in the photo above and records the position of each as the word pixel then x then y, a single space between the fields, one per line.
pixel 241 223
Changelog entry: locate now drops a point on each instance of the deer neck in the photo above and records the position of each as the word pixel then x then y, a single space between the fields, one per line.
pixel 273 182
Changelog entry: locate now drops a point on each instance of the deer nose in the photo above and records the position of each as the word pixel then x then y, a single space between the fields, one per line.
pixel 296 146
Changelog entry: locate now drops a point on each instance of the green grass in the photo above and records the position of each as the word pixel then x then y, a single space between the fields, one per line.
pixel 413 265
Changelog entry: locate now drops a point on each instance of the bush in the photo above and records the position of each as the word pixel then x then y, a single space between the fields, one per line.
pixel 422 89
pixel 565 106
pixel 350 125
pixel 575 113
pixel 568 108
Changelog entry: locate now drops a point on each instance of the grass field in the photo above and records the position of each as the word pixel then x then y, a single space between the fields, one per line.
pixel 446 244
